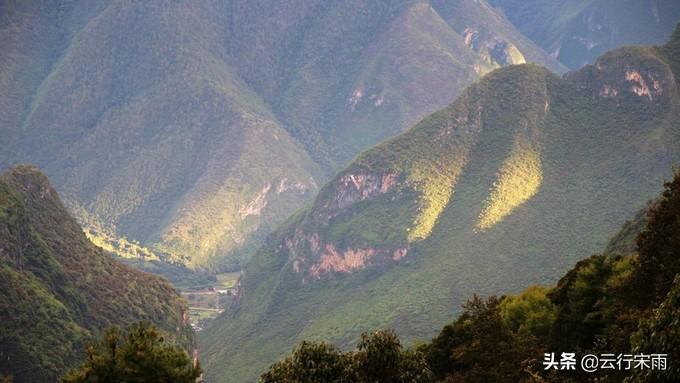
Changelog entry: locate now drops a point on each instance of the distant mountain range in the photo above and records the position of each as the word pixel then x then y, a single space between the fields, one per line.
pixel 577 32
pixel 196 127
pixel 522 176
pixel 58 291
pixel 370 163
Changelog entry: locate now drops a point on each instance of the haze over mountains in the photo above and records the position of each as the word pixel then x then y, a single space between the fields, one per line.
pixel 509 186
pixel 625 299
pixel 370 163
pixel 577 32
pixel 196 127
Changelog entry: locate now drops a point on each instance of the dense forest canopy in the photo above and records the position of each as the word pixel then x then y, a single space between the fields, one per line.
pixel 608 303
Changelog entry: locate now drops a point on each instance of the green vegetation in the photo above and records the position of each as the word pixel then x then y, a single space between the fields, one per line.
pixel 530 313
pixel 227 280
pixel 595 308
pixel 660 331
pixel 59 290
pixel 187 131
pixel 194 137
pixel 182 277
pixel 599 156
pixel 379 357
pixel 140 355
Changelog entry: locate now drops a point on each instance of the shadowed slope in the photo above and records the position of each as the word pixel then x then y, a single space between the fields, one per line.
pixel 415 225
pixel 577 32
pixel 194 128
pixel 59 290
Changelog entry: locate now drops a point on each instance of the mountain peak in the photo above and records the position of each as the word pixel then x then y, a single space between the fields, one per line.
pixel 525 171
pixel 179 129
pixel 30 180
pixel 46 262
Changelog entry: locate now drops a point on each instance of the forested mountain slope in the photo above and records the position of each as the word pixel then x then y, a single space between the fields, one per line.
pixel 625 299
pixel 58 291
pixel 576 32
pixel 509 186
pixel 196 127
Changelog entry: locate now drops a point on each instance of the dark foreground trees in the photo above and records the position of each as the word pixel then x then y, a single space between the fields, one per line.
pixel 142 355
pixel 607 303
pixel 379 357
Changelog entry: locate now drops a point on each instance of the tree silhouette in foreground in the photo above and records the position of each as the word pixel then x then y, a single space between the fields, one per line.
pixel 139 356
pixel 379 357
pixel 626 303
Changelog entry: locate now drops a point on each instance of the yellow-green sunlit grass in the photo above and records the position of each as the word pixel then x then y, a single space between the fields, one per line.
pixel 518 180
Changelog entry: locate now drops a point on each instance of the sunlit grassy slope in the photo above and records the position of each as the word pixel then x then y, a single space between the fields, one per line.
pixel 519 178
pixel 509 186
pixel 195 127
pixel 58 291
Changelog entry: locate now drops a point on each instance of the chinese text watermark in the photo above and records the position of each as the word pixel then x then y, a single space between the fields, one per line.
pixel 592 362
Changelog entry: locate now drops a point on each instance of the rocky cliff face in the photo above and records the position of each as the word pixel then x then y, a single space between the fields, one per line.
pixel 626 82
pixel 507 187
pixel 195 128
pixel 633 71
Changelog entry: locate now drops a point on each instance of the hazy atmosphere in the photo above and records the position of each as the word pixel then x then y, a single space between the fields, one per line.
pixel 305 191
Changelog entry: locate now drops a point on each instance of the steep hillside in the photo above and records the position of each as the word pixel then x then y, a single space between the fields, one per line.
pixel 357 72
pixel 58 290
pixel 141 121
pixel 629 303
pixel 509 186
pixel 196 127
pixel 576 32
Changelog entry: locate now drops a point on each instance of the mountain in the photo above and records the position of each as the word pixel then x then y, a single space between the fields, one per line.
pixel 509 186
pixel 609 301
pixel 140 121
pixel 59 291
pixel 577 32
pixel 194 128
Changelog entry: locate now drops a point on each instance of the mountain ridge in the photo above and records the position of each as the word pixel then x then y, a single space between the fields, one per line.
pixel 415 225
pixel 155 119
pixel 577 32
pixel 60 291
pixel 609 301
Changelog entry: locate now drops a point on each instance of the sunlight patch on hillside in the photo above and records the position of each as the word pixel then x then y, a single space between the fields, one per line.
pixel 120 246
pixel 214 221
pixel 517 181
pixel 516 56
pixel 436 187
